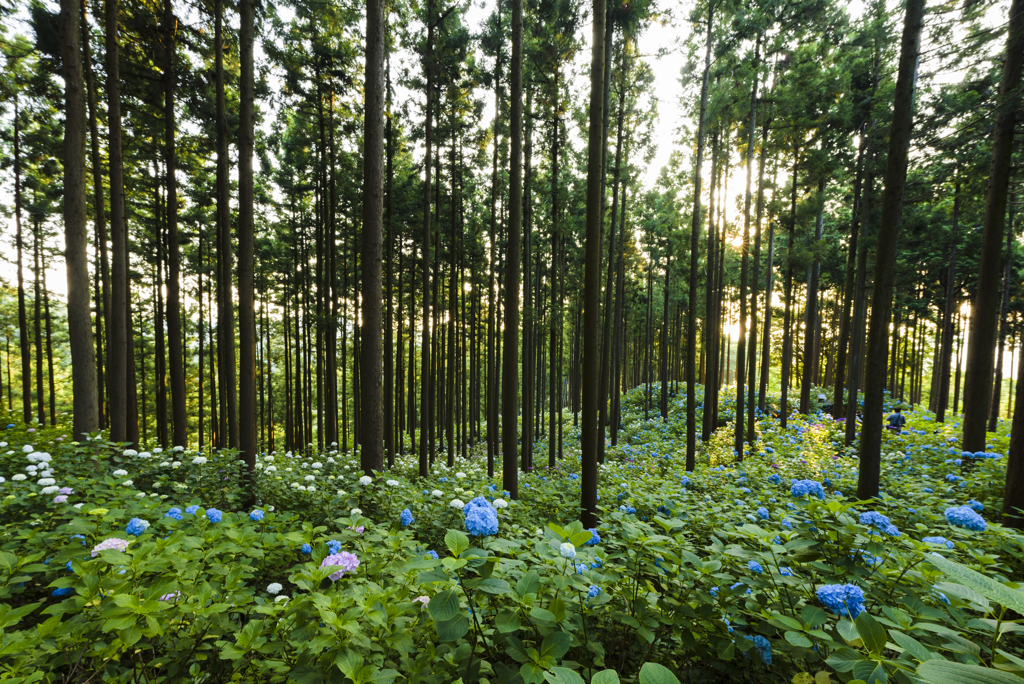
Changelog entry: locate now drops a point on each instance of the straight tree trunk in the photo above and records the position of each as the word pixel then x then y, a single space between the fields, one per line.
pixel 885 259
pixel 811 311
pixel 510 362
pixel 691 318
pixel 117 327
pixel 592 270
pixel 787 334
pixel 247 425
pixel 998 383
pixel 85 390
pixel 425 395
pixel 372 430
pixel 978 383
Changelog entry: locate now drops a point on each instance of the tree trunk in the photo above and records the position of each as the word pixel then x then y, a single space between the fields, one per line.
pixel 691 318
pixel 978 383
pixel 86 416
pixel 787 333
pixel 592 270
pixel 510 362
pixel 425 396
pixel 117 328
pixel 247 419
pixel 811 310
pixel 998 383
pixel 885 259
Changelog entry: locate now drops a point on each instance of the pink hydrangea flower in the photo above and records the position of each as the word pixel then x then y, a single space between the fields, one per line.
pixel 112 543
pixel 347 562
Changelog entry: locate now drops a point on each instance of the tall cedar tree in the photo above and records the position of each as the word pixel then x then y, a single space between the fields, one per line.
pixel 510 360
pixel 885 260
pixel 248 427
pixel 372 429
pixel 86 417
pixel 592 270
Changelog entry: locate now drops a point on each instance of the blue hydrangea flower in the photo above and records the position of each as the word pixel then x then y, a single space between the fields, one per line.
pixel 763 648
pixel 481 518
pixel 63 591
pixel 777 540
pixel 256 515
pixel 685 481
pixel 740 584
pixel 714 591
pixel 136 526
pixel 334 546
pixel 939 541
pixel 581 567
pixel 976 505
pixel 174 513
pixel 762 513
pixel 754 566
pixel 306 548
pixel 593 591
pixel 785 572
pixel 567 550
pixel 842 599
pixel 214 515
pixel 70 569
pixel 787 524
pixel 807 487
pixel 953 478
pixel 965 516
pixel 929 490
pixel 433 554
pixel 944 599
pixel 406 518
pixel 192 509
pixel 595 538
pixel 774 478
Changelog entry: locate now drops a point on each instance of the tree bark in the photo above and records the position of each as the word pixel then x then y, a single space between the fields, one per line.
pixel 86 415
pixel 984 311
pixel 248 425
pixel 592 270
pixel 510 362
pixel 885 258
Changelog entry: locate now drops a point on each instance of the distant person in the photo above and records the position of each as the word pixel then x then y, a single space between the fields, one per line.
pixel 896 421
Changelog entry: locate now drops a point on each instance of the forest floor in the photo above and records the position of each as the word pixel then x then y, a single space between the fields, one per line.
pixel 132 565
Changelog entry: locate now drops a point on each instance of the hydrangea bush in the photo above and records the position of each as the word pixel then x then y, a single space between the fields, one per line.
pixel 766 570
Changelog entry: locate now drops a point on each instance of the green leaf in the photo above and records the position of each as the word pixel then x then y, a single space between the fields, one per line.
pixel 580 538
pixel 528 584
pixel 963 592
pixel 989 588
pixel 8 561
pixel 452 630
pixel 563 675
pixel 843 659
pixel 946 672
pixel 605 677
pixel 652 673
pixel 444 606
pixel 493 585
pixel 456 541
pixel 798 639
pixel 555 645
pixel 508 622
pixel 912 646
pixel 849 632
pixel 871 632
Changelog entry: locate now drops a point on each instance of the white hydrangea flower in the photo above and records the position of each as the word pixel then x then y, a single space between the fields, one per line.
pixel 199 460
pixel 281 599
pixel 28 448
pixel 175 464
pixel 356 511
pixel 457 503
pixel 365 480
pixel 310 478
pixel 274 588
pixel 2 480
pixel 140 495
pixel 3 444
pixel 178 448
pixel 392 483
pixel 437 492
pixel 271 469
pixel 460 475
pixel 46 481
pixel 19 477
pixel 127 483
pixel 52 489
pixel 158 450
pixel 46 473
pixel 120 472
pixel 317 465
pixel 310 488
pixel 300 488
pixel 31 469
pixel 130 452
pixel 79 505
pixel 500 503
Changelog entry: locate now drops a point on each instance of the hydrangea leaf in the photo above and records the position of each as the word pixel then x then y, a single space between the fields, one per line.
pixel 989 588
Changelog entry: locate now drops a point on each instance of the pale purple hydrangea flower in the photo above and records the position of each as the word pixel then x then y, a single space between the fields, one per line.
pixel 112 543
pixel 60 498
pixel 347 562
